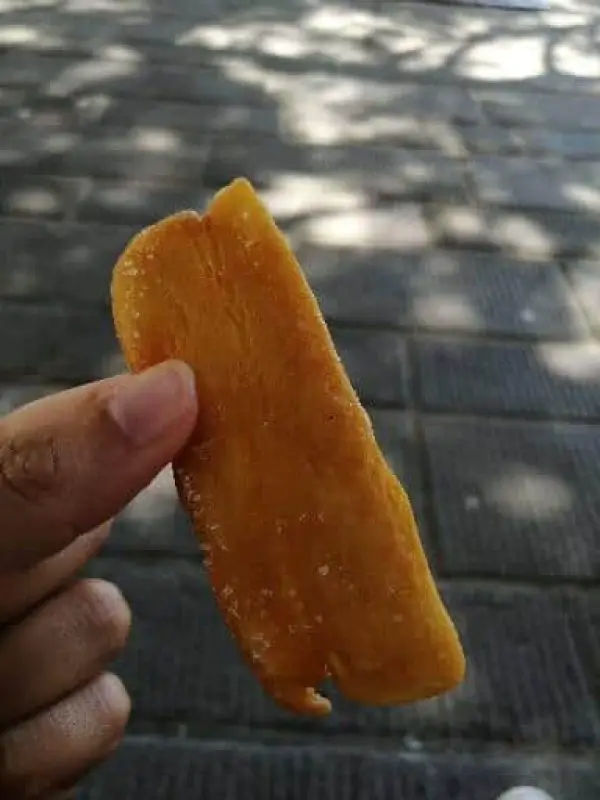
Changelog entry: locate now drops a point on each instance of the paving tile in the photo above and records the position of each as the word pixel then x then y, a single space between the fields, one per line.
pixel 525 682
pixel 32 133
pixel 9 100
pixel 583 610
pixel 170 82
pixel 87 351
pixel 549 380
pixel 402 227
pixel 39 196
pixel 169 769
pixel 573 145
pixel 544 233
pixel 377 364
pixel 258 158
pixel 54 344
pixel 539 108
pixel 144 155
pixel 131 201
pixel 69 263
pixel 395 173
pixel 519 501
pixel 489 139
pixel 22 69
pixel 585 279
pixel 29 337
pixel 445 290
pixel 154 523
pixel 460 225
pixel 390 173
pixel 523 183
pixel 530 233
pixel 397 437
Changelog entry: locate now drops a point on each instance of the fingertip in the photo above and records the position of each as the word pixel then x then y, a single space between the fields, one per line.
pixel 107 610
pixel 114 700
pixel 151 404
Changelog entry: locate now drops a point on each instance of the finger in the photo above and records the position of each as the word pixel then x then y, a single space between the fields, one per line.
pixel 73 637
pixel 22 590
pixel 71 461
pixel 55 748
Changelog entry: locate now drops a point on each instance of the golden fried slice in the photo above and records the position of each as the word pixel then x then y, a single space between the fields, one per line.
pixel 312 549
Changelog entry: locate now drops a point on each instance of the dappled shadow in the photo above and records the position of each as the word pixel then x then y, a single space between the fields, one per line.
pixel 438 173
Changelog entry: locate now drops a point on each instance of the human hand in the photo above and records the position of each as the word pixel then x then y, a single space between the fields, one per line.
pixel 68 464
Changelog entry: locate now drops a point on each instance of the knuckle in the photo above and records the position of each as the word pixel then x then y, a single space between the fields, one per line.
pixel 106 615
pixel 30 466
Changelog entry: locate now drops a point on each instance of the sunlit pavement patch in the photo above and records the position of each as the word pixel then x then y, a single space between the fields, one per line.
pixel 515 5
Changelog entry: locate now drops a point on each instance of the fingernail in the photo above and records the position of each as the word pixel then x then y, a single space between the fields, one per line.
pixel 150 403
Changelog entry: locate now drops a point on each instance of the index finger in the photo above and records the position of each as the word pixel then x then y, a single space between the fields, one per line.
pixel 71 461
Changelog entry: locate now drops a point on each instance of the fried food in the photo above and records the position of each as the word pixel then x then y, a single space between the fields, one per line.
pixel 310 541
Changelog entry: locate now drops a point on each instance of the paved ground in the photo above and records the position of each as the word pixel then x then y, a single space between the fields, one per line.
pixel 438 171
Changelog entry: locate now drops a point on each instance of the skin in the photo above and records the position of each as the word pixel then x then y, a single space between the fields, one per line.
pixel 68 465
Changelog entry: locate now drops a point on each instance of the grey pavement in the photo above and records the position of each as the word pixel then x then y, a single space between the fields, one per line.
pixel 437 170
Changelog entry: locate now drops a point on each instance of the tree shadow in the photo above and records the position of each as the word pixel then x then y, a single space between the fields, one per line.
pixel 438 173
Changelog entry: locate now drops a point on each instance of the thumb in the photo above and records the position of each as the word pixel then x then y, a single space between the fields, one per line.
pixel 71 461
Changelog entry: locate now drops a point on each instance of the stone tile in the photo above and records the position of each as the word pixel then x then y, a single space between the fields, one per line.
pixel 9 100
pixel 574 145
pixel 69 263
pixel 544 233
pixel 525 682
pixel 583 608
pixel 522 183
pixel 397 437
pixel 32 134
pixel 39 196
pixel 444 290
pixel 549 380
pixel 402 228
pixel 87 351
pixel 57 345
pixel 29 336
pixel 547 109
pixel 377 364
pixel 520 501
pixel 256 157
pixel 186 122
pixel 395 174
pixel 130 201
pixel 154 523
pixel 23 69
pixel 389 173
pixel 138 155
pixel 180 83
pixel 179 770
pixel 585 279
pixel 460 225
pixel 488 139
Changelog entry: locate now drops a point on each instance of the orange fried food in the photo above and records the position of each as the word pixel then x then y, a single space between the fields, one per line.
pixel 311 545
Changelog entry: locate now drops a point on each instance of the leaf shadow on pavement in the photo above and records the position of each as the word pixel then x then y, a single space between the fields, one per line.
pixel 438 173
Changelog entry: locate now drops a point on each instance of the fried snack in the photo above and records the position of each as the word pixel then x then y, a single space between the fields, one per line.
pixel 311 545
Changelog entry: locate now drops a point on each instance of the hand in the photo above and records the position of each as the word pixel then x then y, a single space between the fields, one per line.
pixel 67 465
